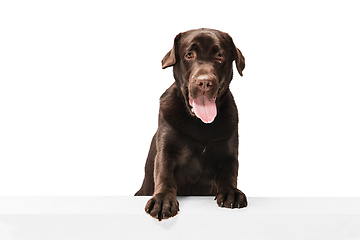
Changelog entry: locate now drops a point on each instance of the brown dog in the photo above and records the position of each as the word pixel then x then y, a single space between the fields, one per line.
pixel 195 149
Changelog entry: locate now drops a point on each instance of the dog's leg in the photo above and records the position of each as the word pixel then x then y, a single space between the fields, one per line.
pixel 227 194
pixel 164 204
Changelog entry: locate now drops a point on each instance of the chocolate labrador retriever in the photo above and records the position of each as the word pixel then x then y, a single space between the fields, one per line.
pixel 195 149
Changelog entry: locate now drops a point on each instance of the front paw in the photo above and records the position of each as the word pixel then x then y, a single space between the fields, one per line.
pixel 231 198
pixel 162 206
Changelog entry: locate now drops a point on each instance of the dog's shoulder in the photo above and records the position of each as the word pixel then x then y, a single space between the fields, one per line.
pixel 170 94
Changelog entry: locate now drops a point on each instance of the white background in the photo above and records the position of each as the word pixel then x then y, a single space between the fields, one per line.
pixel 80 83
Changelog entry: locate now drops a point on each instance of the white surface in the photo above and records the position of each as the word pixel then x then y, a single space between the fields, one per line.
pixel 80 82
pixel 199 218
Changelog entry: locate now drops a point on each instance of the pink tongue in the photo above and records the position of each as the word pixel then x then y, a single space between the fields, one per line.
pixel 205 109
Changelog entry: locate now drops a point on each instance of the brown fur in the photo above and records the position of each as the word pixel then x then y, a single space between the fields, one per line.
pixel 188 156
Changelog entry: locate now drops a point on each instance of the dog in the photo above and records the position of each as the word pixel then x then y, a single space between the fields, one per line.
pixel 194 151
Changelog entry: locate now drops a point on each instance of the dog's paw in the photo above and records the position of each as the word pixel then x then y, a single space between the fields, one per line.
pixel 162 206
pixel 231 198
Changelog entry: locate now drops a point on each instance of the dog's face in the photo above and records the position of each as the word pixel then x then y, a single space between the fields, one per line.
pixel 202 62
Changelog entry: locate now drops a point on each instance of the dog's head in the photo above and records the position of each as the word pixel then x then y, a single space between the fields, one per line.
pixel 202 63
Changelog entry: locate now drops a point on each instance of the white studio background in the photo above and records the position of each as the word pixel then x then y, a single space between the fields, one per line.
pixel 80 83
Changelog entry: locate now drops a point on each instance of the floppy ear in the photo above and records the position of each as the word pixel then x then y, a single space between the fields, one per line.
pixel 170 58
pixel 240 61
pixel 237 55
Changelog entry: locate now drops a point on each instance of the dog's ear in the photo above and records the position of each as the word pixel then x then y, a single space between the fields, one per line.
pixel 170 58
pixel 240 61
pixel 237 55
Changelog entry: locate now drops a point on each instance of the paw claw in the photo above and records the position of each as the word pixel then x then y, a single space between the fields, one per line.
pixel 231 198
pixel 162 206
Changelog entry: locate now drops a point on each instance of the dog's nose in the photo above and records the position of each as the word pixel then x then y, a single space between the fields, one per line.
pixel 204 84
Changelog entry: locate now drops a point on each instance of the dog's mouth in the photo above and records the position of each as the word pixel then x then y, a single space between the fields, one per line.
pixel 204 108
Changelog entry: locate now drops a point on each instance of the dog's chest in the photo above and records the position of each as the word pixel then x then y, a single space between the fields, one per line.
pixel 192 163
pixel 194 174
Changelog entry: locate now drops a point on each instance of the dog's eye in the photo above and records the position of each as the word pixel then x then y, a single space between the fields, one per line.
pixel 189 55
pixel 219 57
